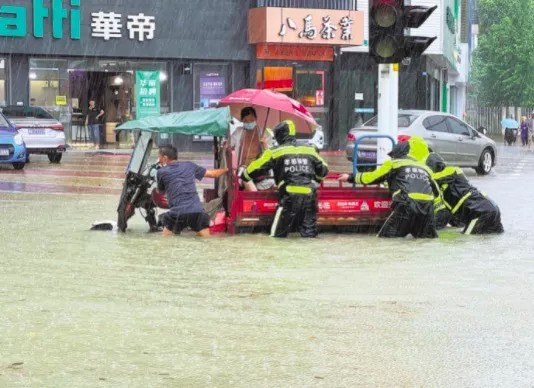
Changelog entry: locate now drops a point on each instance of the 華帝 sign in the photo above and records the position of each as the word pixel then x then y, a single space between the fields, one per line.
pixel 147 94
pixel 109 25
pixel 57 14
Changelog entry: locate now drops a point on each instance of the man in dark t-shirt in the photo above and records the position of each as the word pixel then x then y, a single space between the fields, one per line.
pixel 92 120
pixel 177 181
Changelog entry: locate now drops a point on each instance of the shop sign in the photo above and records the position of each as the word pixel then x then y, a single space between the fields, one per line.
pixel 108 25
pixel 61 100
pixel 295 53
pixel 147 93
pixel 105 25
pixel 305 26
pixel 451 21
pixel 13 19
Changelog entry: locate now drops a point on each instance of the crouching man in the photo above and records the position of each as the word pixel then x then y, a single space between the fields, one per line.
pixel 177 180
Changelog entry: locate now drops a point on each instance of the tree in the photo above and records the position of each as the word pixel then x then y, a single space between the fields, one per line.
pixel 503 68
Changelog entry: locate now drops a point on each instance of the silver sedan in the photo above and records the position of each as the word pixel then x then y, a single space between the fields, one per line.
pixel 457 142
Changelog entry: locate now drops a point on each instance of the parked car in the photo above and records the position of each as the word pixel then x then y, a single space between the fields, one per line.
pixel 42 133
pixel 456 141
pixel 12 148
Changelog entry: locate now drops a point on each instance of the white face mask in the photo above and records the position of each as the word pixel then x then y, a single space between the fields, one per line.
pixel 249 126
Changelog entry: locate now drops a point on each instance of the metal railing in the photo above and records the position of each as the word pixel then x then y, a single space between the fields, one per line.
pixel 490 118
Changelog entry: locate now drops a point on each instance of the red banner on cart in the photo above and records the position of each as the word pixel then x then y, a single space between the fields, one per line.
pixel 332 205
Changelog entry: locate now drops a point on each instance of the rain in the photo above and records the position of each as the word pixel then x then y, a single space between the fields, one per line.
pixel 127 306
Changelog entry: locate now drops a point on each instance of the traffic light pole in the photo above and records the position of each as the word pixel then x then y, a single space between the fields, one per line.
pixel 388 107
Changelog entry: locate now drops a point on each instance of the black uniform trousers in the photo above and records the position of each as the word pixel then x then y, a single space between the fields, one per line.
pixel 296 212
pixel 481 216
pixel 444 217
pixel 410 217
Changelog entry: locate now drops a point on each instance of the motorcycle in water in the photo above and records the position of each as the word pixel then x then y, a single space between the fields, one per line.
pixel 139 192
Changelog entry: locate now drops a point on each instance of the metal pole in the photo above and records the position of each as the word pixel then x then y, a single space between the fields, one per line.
pixel 388 107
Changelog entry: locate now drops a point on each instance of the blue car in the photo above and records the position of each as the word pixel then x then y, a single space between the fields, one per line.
pixel 12 147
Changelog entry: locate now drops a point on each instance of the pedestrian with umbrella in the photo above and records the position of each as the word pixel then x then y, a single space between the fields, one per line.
pixel 510 127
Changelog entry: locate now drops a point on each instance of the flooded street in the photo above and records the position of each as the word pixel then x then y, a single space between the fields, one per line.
pixel 99 309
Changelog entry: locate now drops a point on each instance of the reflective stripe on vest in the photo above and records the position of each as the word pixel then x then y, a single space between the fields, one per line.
pixel 460 203
pixel 299 190
pixel 421 197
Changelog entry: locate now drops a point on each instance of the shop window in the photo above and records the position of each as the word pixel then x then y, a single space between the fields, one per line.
pixel 279 79
pixel 49 85
pixel 308 86
pixel 3 96
pixel 49 89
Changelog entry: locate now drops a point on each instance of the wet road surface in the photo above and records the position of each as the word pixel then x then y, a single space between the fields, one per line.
pixel 91 309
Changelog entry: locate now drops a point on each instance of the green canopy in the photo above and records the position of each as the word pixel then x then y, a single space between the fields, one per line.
pixel 209 122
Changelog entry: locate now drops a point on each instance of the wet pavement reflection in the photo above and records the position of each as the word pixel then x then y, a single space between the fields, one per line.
pixel 91 309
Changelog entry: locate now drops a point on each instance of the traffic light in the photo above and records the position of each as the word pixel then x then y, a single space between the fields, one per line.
pixel 388 20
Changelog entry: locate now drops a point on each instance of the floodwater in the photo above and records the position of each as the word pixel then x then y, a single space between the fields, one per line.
pixel 100 309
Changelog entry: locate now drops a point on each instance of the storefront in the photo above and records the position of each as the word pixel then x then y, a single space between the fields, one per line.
pixel 296 50
pixel 60 55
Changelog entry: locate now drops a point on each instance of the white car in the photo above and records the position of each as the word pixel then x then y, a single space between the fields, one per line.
pixel 42 133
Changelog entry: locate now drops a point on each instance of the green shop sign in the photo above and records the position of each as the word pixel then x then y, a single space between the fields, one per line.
pixel 147 92
pixel 106 25
pixel 451 21
pixel 13 19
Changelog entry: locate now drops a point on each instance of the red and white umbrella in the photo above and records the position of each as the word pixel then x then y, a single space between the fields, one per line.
pixel 272 108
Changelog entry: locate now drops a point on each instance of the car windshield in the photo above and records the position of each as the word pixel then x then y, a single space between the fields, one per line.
pixel 405 120
pixel 16 112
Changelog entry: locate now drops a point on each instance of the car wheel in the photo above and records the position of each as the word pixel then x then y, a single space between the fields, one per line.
pixel 27 158
pixel 55 157
pixel 486 162
pixel 18 166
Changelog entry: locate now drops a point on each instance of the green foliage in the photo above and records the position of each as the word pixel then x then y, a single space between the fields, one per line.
pixel 503 67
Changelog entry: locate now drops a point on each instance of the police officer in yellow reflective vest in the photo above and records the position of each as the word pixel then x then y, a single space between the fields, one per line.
pixel 478 213
pixel 413 189
pixel 295 170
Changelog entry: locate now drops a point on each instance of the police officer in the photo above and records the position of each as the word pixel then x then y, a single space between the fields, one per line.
pixel 442 214
pixel 295 170
pixel 413 189
pixel 479 214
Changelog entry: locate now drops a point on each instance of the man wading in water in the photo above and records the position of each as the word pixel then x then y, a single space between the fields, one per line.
pixel 177 180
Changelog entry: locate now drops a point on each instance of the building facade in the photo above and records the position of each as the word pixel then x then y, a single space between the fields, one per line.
pixel 60 56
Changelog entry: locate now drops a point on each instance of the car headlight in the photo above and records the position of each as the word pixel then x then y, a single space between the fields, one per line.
pixel 19 140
